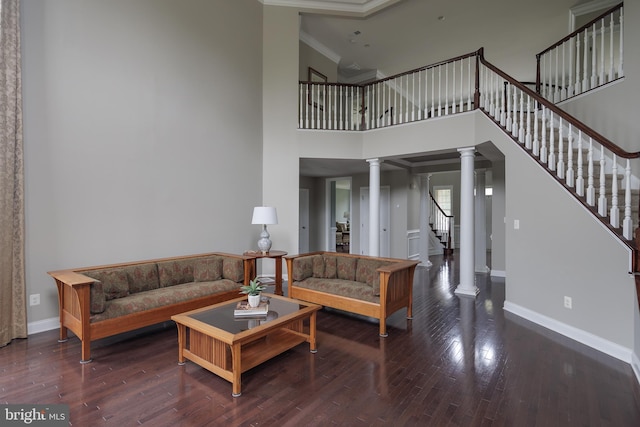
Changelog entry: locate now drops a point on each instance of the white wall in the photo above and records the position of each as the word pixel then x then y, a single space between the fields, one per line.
pixel 137 143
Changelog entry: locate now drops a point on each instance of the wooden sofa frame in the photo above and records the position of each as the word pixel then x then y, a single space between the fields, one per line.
pixel 74 304
pixel 396 289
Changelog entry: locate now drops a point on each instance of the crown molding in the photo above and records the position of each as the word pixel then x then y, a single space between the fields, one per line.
pixel 315 44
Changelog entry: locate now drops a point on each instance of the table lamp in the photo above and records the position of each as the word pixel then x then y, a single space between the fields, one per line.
pixel 264 215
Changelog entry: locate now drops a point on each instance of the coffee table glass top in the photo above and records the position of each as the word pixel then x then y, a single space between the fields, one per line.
pixel 222 316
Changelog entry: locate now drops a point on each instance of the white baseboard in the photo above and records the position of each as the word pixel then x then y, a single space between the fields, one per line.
pixel 635 365
pixel 43 325
pixel 498 273
pixel 612 349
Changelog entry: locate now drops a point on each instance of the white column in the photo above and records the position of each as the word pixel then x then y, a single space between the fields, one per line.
pixel 374 207
pixel 425 211
pixel 467 286
pixel 481 223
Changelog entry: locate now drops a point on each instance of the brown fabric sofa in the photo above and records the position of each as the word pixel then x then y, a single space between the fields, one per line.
pixel 371 286
pixel 101 301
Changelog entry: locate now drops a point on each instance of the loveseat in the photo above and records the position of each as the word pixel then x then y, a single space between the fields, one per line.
pixel 370 286
pixel 101 301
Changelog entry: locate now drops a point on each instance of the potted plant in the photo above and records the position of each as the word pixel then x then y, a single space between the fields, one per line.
pixel 253 290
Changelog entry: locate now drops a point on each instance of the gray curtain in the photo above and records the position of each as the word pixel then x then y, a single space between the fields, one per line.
pixel 13 316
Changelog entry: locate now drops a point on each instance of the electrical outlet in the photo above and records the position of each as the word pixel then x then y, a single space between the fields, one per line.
pixel 516 224
pixel 568 302
pixel 34 299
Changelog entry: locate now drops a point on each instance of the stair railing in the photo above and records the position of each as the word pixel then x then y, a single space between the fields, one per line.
pixel 442 224
pixel 595 170
pixel 435 90
pixel 589 57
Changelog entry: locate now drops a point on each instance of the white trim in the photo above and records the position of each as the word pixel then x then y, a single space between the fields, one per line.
pixel 43 325
pixel 315 44
pixel 359 7
pixel 498 273
pixel 635 365
pixel 608 347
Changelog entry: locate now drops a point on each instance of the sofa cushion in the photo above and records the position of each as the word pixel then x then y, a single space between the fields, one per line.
pixel 162 296
pixel 142 277
pixel 318 265
pixel 233 269
pixel 96 297
pixel 302 268
pixel 330 267
pixel 115 283
pixel 171 273
pixel 366 273
pixel 207 269
pixel 346 268
pixel 345 288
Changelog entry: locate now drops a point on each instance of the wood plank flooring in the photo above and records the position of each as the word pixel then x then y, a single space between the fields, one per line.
pixel 460 361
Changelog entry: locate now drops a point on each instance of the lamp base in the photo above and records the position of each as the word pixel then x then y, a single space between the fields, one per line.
pixel 264 244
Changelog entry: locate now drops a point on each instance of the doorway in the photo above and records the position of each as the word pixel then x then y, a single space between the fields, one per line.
pixel 338 214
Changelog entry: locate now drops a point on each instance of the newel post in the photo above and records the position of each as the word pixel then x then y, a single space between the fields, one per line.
pixel 476 95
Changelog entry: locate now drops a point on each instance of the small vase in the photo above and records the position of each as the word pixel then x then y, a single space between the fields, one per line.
pixel 254 300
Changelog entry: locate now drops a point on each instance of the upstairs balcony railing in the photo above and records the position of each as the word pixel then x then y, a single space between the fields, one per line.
pixel 589 57
pixel 432 91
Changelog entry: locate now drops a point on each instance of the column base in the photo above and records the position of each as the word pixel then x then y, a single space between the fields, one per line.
pixel 465 292
pixel 484 269
pixel 426 263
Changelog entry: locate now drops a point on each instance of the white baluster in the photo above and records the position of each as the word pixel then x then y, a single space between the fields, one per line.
pixel 433 102
pixel 560 166
pixel 521 128
pixel 503 108
pixel 508 96
pixel 413 97
pixel 461 85
pixel 419 104
pixel 611 76
pixel 329 106
pixel 453 87
pixel 585 58
pixel 563 88
pixel 552 146
pixel 602 77
pixel 571 83
pixel 536 141
pixel 514 125
pixel 439 90
pixel 591 190
pixel 579 178
pixel 602 200
pixel 543 148
pixel 570 173
pixel 627 223
pixel 594 53
pixel 620 56
pixel 578 88
pixel 300 107
pixel 406 109
pixel 614 212
pixel 556 92
pixel 527 140
pixel 471 90
pixel 446 89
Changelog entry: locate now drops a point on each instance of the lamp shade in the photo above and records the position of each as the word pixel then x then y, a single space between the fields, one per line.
pixel 264 215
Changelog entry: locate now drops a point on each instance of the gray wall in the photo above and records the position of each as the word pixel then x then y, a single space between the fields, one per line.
pixel 140 132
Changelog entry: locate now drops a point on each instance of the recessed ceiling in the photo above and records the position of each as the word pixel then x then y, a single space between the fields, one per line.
pixel 360 8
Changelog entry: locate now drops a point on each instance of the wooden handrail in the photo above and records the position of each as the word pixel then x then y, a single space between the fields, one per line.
pixel 561 113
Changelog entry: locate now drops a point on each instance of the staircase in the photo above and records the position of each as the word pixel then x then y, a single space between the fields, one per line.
pixel 442 226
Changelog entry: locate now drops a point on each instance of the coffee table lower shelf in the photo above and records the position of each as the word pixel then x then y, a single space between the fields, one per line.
pixel 229 360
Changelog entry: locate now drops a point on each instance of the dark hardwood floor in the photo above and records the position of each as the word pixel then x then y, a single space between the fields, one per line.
pixel 460 361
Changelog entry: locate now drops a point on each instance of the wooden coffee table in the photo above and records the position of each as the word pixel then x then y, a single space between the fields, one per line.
pixel 215 339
